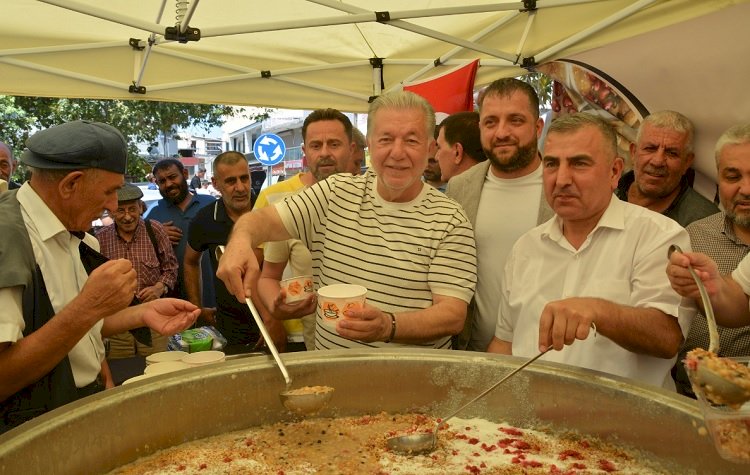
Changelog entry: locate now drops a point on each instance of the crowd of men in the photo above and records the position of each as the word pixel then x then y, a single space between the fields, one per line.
pixel 465 233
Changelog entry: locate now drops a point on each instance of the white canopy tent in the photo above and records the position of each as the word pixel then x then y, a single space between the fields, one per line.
pixel 329 53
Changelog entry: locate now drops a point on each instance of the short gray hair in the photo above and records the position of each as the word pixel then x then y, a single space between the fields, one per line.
pixel 402 100
pixel 575 122
pixel 670 120
pixel 736 135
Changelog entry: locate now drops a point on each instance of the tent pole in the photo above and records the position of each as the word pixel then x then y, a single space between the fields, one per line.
pixel 443 60
pixel 525 35
pixel 147 54
pixel 377 76
pixel 64 73
pixel 394 20
pixel 583 34
pixel 59 49
pixel 185 21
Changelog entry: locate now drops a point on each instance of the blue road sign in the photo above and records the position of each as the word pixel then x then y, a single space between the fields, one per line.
pixel 269 149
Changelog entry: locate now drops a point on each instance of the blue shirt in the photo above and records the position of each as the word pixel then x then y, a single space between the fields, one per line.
pixel 165 211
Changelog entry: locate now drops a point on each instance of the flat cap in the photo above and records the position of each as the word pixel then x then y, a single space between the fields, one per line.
pixel 75 145
pixel 129 192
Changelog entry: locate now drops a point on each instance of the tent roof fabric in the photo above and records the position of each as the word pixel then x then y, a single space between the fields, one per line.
pixel 299 54
pixel 686 55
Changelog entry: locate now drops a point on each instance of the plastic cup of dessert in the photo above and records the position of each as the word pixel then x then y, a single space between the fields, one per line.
pixel 203 358
pixel 297 288
pixel 334 300
pixel 164 356
pixel 729 427
pixel 165 367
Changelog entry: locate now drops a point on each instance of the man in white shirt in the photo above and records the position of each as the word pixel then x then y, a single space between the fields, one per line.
pixel 598 264
pixel 54 314
pixel 502 196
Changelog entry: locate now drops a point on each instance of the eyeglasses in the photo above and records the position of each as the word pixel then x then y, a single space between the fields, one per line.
pixel 134 210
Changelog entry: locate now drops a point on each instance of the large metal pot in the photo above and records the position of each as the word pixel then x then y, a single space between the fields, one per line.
pixel 111 429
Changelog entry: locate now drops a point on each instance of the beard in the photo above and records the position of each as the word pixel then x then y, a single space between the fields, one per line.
pixel 180 197
pixel 238 205
pixel 740 219
pixel 519 160
pixel 325 162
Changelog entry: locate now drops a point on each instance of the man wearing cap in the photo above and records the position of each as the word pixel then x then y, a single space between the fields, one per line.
pixel 59 297
pixel 153 259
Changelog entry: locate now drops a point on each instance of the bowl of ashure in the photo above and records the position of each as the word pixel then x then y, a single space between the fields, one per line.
pixel 228 418
pixel 728 425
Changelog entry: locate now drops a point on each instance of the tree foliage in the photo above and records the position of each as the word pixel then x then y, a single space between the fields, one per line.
pixel 139 121
pixel 542 84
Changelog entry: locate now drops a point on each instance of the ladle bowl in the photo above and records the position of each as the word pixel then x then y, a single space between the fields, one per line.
pixel 307 400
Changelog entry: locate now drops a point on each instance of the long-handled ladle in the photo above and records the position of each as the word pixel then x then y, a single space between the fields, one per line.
pixel 425 442
pixel 303 401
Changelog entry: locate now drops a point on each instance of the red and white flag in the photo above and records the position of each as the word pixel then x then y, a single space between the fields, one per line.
pixel 451 92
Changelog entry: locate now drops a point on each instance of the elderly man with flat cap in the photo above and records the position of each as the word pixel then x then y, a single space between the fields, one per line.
pixel 146 245
pixel 58 294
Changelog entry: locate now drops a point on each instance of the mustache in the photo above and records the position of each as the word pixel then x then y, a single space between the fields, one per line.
pixel 326 162
pixel 741 200
pixel 656 171
pixel 500 142
pixel 565 192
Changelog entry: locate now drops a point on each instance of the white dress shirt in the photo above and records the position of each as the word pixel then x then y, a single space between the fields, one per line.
pixel 623 260
pixel 56 253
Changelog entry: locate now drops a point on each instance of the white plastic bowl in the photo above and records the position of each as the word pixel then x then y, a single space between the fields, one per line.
pixel 164 356
pixel 203 358
pixel 165 367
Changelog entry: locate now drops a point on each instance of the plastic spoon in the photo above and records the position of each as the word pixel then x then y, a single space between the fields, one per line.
pixel 425 442
pixel 710 372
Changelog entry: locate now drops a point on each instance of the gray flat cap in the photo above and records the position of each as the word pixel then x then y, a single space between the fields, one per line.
pixel 77 145
pixel 129 192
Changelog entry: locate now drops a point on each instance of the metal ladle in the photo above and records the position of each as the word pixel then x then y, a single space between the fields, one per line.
pixel 721 390
pixel 303 401
pixel 425 442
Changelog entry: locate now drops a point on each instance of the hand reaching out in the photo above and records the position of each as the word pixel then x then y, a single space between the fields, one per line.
pixel 169 316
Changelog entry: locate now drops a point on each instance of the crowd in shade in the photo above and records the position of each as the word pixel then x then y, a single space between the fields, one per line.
pixel 466 235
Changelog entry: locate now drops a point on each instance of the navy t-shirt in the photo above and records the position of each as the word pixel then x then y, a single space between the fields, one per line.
pixel 209 229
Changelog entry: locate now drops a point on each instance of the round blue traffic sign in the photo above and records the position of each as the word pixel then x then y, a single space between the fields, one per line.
pixel 269 149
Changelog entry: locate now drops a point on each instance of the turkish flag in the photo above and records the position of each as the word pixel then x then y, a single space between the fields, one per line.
pixel 451 92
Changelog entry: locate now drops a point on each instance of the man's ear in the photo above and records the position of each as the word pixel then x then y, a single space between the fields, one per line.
pixel 71 183
pixel 459 148
pixel 185 173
